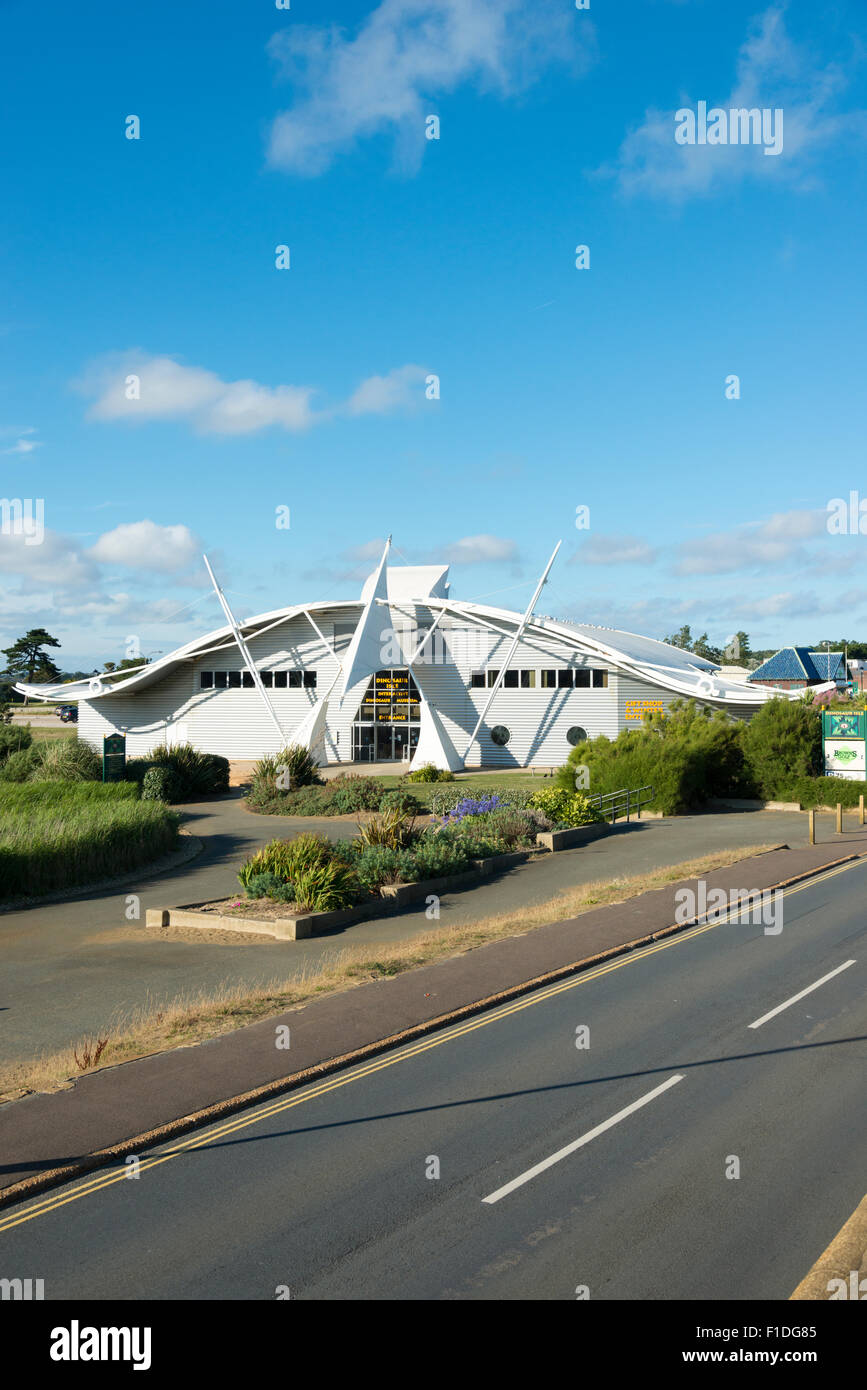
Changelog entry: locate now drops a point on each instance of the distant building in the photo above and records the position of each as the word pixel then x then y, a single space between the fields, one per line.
pixel 858 674
pixel 794 668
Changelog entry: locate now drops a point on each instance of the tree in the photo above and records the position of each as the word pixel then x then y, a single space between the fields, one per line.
pixel 682 639
pixel 702 647
pixel 26 660
pixel 738 649
pixel 782 742
pixel 118 669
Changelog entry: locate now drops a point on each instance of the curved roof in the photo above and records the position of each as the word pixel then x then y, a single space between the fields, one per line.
pixel 646 659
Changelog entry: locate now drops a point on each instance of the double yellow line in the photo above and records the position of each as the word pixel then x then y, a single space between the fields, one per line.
pixel 278 1107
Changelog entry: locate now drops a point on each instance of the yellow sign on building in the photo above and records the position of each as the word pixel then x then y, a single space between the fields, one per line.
pixel 636 708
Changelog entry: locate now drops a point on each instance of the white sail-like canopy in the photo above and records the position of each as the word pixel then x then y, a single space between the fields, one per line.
pixel 365 650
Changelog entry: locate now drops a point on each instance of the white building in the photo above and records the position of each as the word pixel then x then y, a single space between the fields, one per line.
pixel 404 673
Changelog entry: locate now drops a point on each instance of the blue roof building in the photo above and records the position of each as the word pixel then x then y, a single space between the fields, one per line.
pixel 796 666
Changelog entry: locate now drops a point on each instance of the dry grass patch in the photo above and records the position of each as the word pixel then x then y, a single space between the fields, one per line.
pixel 196 1018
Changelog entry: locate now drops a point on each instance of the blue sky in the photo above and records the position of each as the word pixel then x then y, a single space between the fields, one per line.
pixel 305 388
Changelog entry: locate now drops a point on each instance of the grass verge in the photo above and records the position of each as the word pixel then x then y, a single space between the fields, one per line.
pixel 193 1019
pixel 63 834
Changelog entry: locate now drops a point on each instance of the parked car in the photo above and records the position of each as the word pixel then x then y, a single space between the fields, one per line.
pixel 68 713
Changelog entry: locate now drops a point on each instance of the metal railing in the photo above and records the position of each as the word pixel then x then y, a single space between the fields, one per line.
pixel 626 802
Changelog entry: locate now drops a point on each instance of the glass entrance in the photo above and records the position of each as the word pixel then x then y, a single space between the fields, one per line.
pixel 386 727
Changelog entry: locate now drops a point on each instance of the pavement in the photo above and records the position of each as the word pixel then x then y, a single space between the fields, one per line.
pixel 704 1141
pixel 76 968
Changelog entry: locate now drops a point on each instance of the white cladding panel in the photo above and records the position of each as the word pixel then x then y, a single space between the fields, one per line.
pixel 236 724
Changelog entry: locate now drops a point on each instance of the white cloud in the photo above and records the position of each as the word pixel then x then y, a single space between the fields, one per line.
pixel 169 390
pixel 404 56
pixel 401 389
pixel 59 578
pixel 479 550
pixel 772 72
pixel 144 545
pixel 613 550
pixel 24 444
pixel 57 560
pixel 777 542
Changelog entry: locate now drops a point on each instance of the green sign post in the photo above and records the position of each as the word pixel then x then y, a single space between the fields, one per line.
pixel 844 744
pixel 113 757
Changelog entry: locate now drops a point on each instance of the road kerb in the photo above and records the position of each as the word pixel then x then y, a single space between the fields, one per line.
pixel 845 1256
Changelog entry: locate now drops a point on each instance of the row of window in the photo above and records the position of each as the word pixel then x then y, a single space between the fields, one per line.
pixel 243 680
pixel 566 678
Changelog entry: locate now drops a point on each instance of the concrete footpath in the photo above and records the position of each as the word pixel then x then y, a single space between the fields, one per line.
pixel 47 1138
pixel 80 968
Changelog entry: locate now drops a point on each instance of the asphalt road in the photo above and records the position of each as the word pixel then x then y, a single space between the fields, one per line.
pixel 559 1167
pixel 77 968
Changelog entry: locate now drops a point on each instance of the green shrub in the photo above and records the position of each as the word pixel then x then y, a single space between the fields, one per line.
pixel 135 769
pixel 447 798
pixel 352 792
pixel 392 828
pixel 516 829
pixel 293 767
pixel 67 760
pixel 59 835
pixel 285 859
pixel 435 855
pixel 563 807
pixel 18 767
pixel 429 772
pixel 305 802
pixel 162 784
pixel 305 851
pixel 378 864
pixel 270 886
pixel 402 801
pixel 200 774
pixel 686 755
pixel 821 791
pixel 13 738
pixel 327 887
pixel 782 742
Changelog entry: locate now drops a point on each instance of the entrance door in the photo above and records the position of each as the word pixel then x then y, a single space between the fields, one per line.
pixel 363 743
pixel 384 743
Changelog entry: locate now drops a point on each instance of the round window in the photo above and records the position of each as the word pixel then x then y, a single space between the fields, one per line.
pixel 576 735
pixel 500 735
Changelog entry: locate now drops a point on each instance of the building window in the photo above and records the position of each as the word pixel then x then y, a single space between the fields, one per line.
pixel 294 679
pixel 528 680
pixel 564 680
pixel 510 680
pixel 549 680
pixel 309 680
pixel 600 680
pixel 582 680
pixel 500 735
pixel 477 680
pixel 234 680
pixel 247 680
pixel 492 678
pixel 206 680
pixel 268 679
pixel 279 680
pixel 221 680
pixel 575 735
